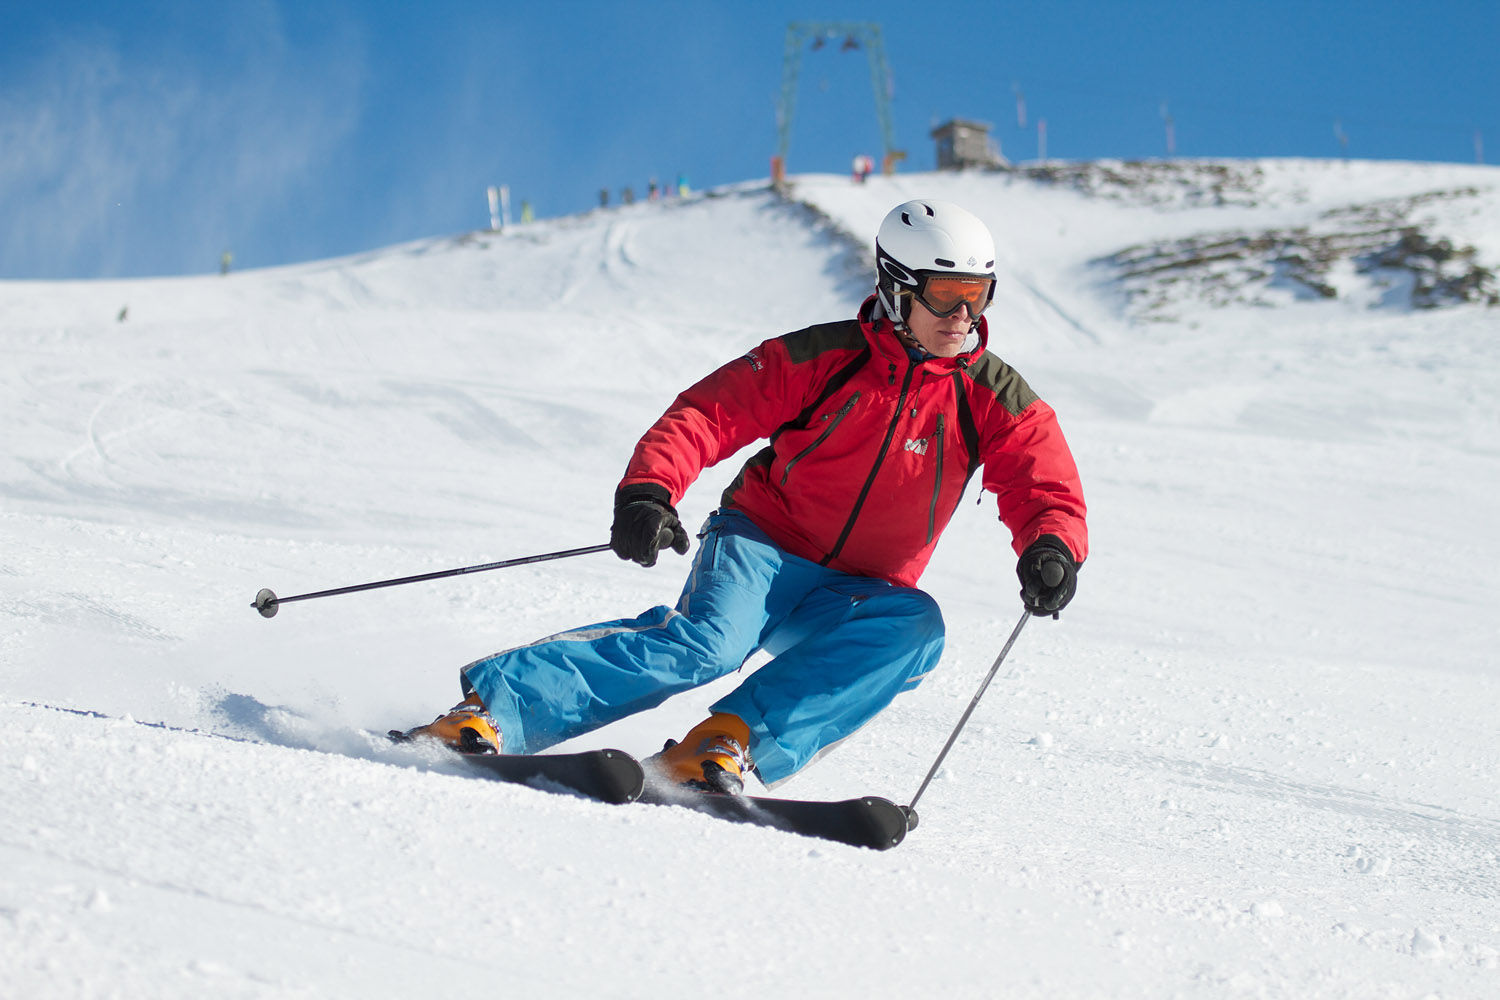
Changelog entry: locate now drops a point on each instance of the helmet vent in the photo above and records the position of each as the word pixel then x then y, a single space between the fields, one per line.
pixel 948 263
pixel 926 210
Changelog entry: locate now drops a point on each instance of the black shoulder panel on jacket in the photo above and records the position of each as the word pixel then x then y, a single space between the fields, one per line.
pixel 805 345
pixel 1004 381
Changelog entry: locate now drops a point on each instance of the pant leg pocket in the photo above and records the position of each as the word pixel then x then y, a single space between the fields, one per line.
pixel 709 537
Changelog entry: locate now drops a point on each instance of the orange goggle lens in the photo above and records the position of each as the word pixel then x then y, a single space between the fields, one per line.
pixel 944 295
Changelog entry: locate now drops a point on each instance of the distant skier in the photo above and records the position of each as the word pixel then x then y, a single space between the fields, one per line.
pixel 875 425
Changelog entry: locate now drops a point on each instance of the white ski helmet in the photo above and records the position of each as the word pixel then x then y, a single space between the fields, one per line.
pixel 923 239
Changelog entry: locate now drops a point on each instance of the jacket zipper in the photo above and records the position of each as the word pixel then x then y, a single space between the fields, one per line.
pixel 937 484
pixel 864 492
pixel 833 420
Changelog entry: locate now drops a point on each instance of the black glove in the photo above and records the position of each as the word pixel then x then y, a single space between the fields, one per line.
pixel 645 523
pixel 1049 576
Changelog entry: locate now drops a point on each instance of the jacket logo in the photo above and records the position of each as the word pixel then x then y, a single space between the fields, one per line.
pixel 918 445
pixel 754 359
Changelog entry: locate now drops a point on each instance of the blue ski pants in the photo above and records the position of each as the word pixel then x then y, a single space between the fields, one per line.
pixel 843 647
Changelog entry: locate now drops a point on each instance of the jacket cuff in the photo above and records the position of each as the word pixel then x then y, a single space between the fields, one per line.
pixel 1057 545
pixel 636 492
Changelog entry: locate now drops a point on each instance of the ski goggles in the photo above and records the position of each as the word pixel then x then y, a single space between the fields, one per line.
pixel 942 294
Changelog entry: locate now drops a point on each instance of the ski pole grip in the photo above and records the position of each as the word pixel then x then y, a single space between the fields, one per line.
pixel 1052 573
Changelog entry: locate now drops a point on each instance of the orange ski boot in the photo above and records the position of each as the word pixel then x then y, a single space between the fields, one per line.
pixel 712 757
pixel 466 728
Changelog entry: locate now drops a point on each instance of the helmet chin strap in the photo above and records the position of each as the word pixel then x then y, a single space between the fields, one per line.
pixel 903 330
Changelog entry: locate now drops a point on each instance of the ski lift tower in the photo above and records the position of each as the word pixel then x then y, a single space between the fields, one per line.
pixel 849 35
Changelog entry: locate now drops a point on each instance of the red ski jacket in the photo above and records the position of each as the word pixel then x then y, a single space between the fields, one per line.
pixel 869 450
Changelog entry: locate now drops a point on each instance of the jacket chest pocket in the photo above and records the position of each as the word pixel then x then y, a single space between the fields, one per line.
pixel 937 478
pixel 927 463
pixel 830 422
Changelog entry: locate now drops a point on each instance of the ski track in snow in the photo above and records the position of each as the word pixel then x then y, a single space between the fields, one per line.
pixel 1257 757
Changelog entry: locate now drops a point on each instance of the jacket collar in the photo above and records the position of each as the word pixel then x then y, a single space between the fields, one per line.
pixel 881 334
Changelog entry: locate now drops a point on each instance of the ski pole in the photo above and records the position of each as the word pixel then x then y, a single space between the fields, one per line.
pixel 912 806
pixel 266 602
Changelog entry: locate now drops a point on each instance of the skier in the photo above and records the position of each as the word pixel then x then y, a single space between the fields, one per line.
pixel 875 426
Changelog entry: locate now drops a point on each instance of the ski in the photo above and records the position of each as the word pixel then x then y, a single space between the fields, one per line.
pixel 616 777
pixel 871 821
pixel 607 775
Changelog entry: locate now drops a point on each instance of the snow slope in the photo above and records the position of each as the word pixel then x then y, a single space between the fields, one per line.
pixel 1257 757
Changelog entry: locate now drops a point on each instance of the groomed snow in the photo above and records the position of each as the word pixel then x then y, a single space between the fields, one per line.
pixel 1257 757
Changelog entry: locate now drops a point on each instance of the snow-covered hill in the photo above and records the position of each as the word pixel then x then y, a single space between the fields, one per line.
pixel 1257 756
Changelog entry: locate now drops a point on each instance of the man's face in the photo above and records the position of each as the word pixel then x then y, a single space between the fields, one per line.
pixel 942 336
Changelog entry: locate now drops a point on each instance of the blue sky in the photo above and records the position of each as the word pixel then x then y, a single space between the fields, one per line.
pixel 149 138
